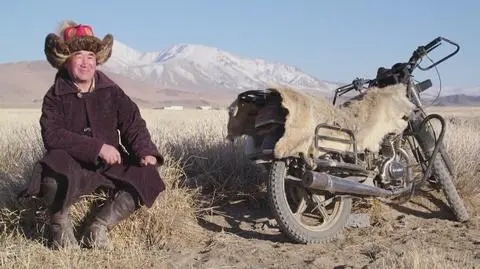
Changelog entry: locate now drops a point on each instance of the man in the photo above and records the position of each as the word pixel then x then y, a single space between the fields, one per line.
pixel 86 119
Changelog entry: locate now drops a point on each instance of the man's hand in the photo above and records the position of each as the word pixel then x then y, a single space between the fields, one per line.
pixel 110 154
pixel 148 160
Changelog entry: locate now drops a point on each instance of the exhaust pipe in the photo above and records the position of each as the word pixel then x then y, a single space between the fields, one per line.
pixel 333 184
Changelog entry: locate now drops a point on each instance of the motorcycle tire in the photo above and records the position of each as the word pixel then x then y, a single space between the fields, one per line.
pixel 441 169
pixel 292 226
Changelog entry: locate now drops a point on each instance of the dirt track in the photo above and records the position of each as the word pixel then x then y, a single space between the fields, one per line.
pixel 243 235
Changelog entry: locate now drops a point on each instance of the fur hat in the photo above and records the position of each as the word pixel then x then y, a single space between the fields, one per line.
pixel 74 37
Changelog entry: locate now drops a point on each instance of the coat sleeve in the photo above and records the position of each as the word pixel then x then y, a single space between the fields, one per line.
pixel 56 137
pixel 133 129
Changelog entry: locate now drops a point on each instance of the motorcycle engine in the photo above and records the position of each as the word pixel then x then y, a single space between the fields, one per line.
pixel 392 169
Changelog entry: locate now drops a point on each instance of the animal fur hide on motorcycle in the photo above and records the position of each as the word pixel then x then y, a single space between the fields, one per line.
pixel 370 116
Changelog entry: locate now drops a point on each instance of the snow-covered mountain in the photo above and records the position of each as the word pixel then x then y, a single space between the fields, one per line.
pixel 189 75
pixel 198 68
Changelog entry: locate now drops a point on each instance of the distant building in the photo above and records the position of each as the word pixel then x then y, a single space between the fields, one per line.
pixel 204 107
pixel 172 108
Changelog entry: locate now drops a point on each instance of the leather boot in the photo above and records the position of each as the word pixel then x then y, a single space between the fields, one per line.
pixel 61 227
pixel 113 211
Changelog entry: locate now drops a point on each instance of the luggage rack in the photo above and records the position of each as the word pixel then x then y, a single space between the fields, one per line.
pixel 350 141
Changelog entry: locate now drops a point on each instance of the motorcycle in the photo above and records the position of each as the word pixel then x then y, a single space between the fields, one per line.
pixel 312 204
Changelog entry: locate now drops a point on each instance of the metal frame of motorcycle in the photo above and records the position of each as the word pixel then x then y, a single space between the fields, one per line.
pixel 413 91
pixel 353 179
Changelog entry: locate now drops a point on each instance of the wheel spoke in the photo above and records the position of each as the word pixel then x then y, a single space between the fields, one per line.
pixel 302 205
pixel 321 208
pixel 324 213
pixel 290 177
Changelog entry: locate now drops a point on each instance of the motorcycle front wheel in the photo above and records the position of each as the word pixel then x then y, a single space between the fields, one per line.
pixel 305 216
pixel 441 172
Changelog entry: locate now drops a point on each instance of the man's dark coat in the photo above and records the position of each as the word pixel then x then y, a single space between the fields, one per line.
pixel 74 126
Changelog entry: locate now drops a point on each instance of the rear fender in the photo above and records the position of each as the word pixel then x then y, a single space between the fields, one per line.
pixel 269 128
pixel 271 116
pixel 242 113
pixel 263 146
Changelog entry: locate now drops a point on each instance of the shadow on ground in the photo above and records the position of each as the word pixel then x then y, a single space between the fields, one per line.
pixel 244 218
pixel 426 204
pixel 20 216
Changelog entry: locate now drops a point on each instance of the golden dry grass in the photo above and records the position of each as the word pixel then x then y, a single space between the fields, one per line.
pixel 419 257
pixel 198 160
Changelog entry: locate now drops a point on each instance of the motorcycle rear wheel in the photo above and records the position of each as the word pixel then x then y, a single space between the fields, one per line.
pixel 296 225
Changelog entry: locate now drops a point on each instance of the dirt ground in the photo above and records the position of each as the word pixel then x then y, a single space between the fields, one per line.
pixel 419 234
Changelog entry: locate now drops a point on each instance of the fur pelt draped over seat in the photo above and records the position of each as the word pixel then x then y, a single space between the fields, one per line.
pixel 370 116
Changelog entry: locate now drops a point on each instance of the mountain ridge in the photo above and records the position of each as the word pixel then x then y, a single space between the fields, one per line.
pixel 199 67
pixel 178 74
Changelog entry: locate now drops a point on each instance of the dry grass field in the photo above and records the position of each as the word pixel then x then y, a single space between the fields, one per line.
pixel 212 214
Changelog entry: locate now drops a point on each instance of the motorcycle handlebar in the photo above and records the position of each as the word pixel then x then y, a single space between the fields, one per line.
pixel 357 84
pixel 417 55
pixel 421 51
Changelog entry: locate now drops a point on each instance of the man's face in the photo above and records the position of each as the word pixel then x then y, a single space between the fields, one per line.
pixel 82 65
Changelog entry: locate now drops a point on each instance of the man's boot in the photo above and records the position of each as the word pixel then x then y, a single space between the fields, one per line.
pixel 61 227
pixel 113 211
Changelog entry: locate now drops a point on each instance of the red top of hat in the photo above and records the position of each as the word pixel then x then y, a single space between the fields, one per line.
pixel 77 31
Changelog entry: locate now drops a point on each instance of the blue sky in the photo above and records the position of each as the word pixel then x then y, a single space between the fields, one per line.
pixel 332 40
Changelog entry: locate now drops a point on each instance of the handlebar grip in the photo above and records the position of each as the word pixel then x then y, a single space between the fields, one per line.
pixel 433 43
